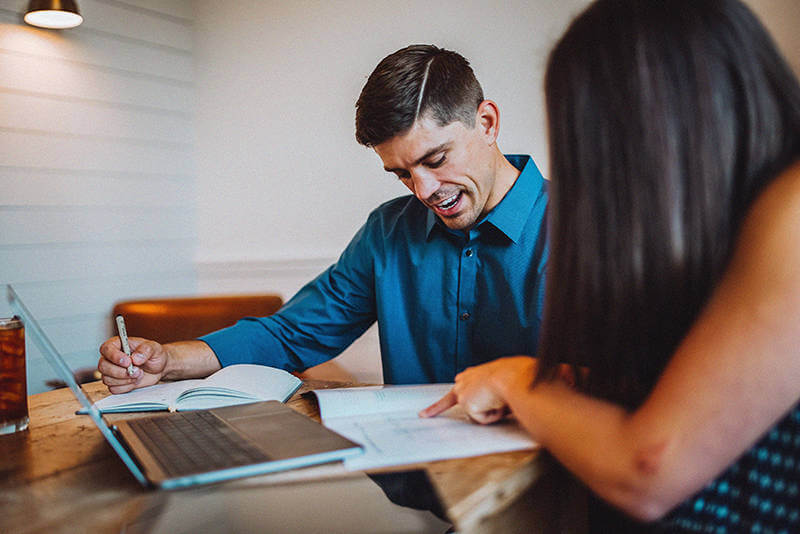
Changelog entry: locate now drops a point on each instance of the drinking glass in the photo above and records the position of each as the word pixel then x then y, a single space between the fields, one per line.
pixel 13 385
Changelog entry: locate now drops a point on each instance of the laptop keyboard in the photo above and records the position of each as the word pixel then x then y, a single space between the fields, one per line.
pixel 186 443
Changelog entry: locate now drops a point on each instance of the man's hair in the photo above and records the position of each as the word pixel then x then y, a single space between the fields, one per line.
pixel 416 81
pixel 666 121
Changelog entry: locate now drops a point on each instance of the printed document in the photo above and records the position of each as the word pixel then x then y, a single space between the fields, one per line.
pixel 384 420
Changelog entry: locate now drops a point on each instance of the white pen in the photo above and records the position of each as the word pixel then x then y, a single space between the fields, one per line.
pixel 123 338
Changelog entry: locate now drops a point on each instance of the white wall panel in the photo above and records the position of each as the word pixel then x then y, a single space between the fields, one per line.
pixel 104 50
pixel 64 261
pixel 181 12
pixel 128 21
pixel 53 150
pixel 29 74
pixel 150 27
pixel 57 299
pixel 28 112
pixel 43 225
pixel 55 187
pixel 97 187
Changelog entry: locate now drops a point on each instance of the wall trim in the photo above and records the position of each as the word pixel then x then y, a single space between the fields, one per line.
pixel 239 268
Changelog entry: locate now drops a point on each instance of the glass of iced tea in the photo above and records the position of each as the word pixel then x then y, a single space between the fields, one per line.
pixel 13 385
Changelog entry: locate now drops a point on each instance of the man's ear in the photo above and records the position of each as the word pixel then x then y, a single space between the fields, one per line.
pixel 487 119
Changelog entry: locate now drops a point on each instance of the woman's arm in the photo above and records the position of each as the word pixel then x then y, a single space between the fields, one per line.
pixel 734 376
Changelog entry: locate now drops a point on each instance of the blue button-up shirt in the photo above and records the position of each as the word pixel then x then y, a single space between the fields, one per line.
pixel 444 300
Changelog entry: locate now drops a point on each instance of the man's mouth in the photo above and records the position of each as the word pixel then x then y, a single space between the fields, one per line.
pixel 449 205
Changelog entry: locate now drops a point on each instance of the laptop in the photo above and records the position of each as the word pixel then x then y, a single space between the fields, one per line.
pixel 183 449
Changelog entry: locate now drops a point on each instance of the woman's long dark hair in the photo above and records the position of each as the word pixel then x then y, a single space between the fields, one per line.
pixel 666 120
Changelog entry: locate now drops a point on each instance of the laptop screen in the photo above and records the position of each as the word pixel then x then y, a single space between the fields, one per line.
pixel 34 331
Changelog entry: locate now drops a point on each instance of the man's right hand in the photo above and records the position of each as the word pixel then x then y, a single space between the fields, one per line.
pixel 149 361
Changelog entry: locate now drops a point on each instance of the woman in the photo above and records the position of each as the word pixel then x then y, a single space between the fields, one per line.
pixel 674 277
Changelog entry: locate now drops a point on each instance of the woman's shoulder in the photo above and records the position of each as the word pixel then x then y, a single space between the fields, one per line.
pixel 782 194
pixel 775 214
pixel 767 252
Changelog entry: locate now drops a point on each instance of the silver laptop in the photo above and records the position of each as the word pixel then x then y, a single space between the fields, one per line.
pixel 184 449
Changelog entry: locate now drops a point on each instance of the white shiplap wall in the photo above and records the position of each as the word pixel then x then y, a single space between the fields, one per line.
pixel 97 187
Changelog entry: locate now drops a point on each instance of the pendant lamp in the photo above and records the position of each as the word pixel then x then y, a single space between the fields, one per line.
pixel 53 14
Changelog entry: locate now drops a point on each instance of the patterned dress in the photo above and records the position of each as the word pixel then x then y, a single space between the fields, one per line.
pixel 759 494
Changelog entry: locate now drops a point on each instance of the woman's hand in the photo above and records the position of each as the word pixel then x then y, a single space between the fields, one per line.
pixel 482 390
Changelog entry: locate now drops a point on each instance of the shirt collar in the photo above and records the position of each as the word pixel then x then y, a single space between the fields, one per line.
pixel 511 214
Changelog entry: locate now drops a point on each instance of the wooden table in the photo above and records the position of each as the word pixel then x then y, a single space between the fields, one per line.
pixel 61 475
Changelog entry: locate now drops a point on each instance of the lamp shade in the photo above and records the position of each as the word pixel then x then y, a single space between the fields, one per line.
pixel 54 14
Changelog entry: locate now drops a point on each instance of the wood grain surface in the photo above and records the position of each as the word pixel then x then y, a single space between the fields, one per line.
pixel 60 475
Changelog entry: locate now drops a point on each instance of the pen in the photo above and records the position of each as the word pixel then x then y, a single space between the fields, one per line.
pixel 123 338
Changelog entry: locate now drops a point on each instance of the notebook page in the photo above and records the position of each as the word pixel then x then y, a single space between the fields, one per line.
pixel 257 381
pixel 163 394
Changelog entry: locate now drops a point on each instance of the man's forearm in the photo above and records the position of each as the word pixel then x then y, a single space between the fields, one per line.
pixel 189 359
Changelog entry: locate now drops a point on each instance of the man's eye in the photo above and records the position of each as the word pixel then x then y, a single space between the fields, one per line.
pixel 402 175
pixel 437 163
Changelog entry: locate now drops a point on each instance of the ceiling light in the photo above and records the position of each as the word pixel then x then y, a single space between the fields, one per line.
pixel 53 14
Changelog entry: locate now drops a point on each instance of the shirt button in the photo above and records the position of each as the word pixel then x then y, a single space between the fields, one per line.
pixel 465 316
pixel 468 252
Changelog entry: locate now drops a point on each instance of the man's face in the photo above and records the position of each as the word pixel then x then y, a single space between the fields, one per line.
pixel 451 169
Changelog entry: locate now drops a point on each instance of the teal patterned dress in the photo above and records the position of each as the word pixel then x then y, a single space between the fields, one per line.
pixel 758 494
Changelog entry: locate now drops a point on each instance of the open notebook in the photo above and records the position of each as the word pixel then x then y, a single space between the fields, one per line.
pixel 236 384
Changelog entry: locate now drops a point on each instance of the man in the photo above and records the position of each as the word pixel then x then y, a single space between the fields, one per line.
pixel 454 275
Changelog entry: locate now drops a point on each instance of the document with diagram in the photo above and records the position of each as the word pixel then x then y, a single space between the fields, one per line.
pixel 384 420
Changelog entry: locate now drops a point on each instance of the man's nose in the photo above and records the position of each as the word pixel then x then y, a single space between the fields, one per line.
pixel 425 184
